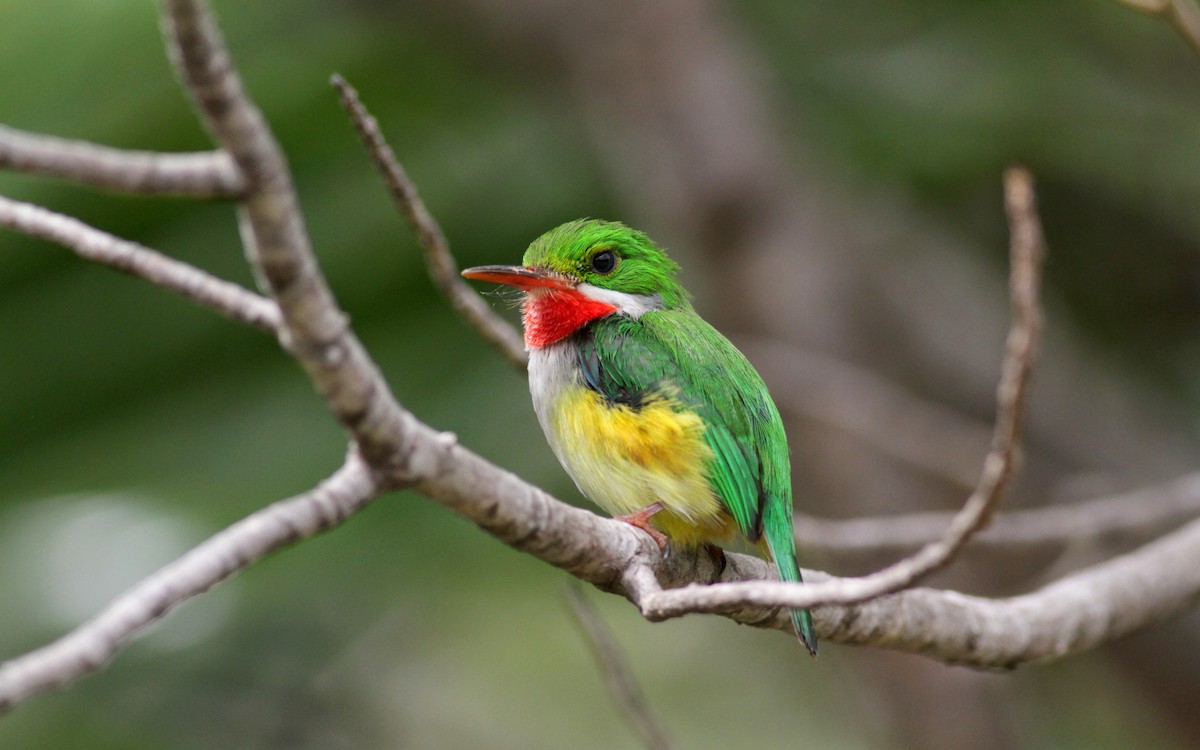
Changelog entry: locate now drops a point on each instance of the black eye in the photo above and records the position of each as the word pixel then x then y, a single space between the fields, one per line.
pixel 604 262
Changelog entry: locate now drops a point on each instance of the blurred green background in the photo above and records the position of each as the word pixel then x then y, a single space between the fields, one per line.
pixel 828 175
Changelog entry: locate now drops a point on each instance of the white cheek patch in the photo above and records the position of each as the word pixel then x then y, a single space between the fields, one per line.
pixel 633 305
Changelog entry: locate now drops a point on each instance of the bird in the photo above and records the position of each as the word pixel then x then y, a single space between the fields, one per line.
pixel 656 416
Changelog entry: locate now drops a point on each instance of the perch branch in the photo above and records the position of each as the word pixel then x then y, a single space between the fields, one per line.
pixel 439 261
pixel 1073 614
pixel 208 174
pixel 90 243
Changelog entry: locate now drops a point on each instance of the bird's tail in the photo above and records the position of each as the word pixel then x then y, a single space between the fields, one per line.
pixel 803 625
pixel 801 618
pixel 783 550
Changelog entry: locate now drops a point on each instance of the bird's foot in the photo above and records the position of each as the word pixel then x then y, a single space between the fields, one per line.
pixel 641 520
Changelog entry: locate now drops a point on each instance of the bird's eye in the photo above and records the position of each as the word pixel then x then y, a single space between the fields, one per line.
pixel 604 262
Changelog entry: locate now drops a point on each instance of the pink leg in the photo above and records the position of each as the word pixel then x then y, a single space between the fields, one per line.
pixel 641 519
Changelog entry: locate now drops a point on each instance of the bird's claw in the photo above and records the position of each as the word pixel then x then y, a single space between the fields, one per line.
pixel 641 519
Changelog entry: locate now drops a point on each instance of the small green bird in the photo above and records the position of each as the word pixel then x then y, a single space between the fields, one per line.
pixel 653 413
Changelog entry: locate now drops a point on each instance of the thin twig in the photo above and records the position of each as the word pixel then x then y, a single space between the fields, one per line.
pixel 616 670
pixel 443 269
pixel 1026 258
pixel 90 646
pixel 1183 15
pixel 1145 511
pixel 315 330
pixel 209 174
pixel 90 243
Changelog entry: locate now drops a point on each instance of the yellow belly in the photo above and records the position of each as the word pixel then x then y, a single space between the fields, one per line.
pixel 625 459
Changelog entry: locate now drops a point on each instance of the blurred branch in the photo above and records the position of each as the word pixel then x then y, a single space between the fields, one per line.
pixel 201 175
pixel 882 414
pixel 1026 259
pixel 443 269
pixel 91 645
pixel 1143 511
pixel 618 676
pixel 1184 15
pixel 90 243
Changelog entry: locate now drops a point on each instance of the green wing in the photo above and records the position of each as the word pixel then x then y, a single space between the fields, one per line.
pixel 629 361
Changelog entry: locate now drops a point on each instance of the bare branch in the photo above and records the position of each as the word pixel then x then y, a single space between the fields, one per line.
pixel 1184 15
pixel 1144 511
pixel 315 331
pixel 1073 614
pixel 90 646
pixel 209 174
pixel 1026 256
pixel 617 673
pixel 90 243
pixel 443 269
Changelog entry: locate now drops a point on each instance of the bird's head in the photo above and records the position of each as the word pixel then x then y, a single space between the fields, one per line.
pixel 587 269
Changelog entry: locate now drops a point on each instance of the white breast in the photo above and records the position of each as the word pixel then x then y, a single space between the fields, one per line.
pixel 553 369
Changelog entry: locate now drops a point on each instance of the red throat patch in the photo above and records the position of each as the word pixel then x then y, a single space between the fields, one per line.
pixel 551 316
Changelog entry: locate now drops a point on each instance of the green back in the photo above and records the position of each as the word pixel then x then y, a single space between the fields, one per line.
pixel 675 352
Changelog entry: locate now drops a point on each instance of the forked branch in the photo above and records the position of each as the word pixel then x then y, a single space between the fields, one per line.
pixel 392 448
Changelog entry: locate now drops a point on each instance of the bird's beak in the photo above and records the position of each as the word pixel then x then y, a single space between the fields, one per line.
pixel 522 277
